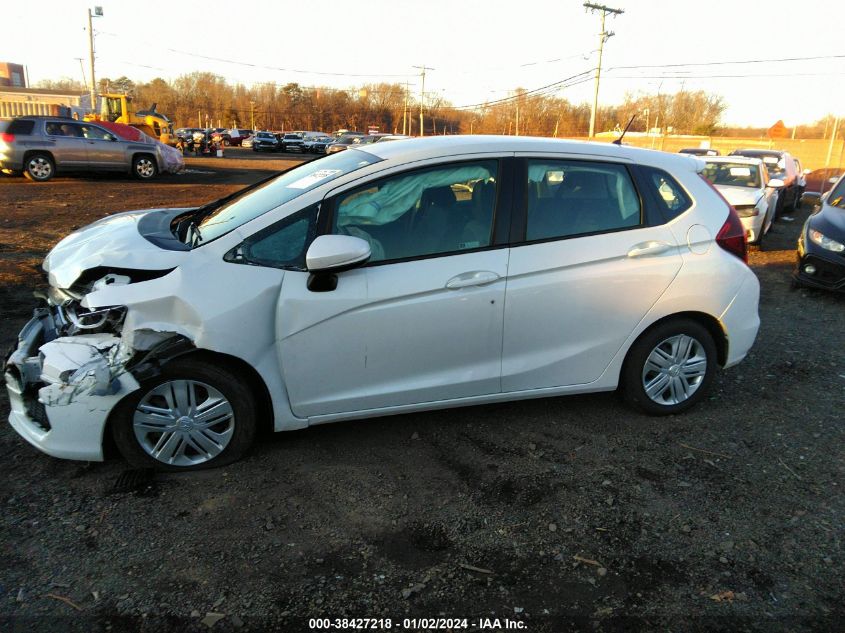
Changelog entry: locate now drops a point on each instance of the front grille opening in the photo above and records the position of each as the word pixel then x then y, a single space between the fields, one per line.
pixel 36 410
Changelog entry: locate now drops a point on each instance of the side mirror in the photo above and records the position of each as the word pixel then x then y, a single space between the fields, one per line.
pixel 775 183
pixel 335 253
pixel 824 196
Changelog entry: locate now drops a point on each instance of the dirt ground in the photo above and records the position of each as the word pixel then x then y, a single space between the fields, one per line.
pixel 562 514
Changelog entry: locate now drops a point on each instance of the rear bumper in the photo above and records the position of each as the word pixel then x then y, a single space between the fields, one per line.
pixel 741 319
pixel 753 226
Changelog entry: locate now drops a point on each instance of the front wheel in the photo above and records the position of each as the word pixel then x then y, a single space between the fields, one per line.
pixel 144 167
pixel 670 368
pixel 193 415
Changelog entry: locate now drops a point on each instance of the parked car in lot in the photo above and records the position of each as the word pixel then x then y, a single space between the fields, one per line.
pixel 781 166
pixel 319 145
pixel 699 151
pixel 292 142
pixel 41 146
pixel 818 182
pixel 187 133
pixel 265 141
pixel 237 136
pixel 247 142
pixel 388 278
pixel 745 184
pixel 821 245
pixel 390 137
pixel 343 143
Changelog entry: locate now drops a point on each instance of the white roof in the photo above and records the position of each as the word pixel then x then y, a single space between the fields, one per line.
pixel 443 146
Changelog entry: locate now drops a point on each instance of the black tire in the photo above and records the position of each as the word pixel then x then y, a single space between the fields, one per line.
pixel 39 167
pixel 234 389
pixel 634 369
pixel 144 167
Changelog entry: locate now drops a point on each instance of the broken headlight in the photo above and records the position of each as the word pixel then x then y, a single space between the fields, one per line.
pixel 79 320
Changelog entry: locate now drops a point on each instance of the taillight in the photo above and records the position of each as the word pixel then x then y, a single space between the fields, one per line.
pixel 6 137
pixel 731 236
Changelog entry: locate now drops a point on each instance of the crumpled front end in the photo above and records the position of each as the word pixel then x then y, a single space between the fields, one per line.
pixel 63 382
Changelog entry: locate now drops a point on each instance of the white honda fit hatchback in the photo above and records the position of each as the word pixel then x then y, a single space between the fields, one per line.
pixel 395 277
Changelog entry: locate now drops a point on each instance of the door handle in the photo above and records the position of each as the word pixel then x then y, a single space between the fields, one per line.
pixel 644 249
pixel 474 278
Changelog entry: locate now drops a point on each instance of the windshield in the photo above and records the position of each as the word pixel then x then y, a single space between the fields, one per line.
pixel 733 174
pixel 836 198
pixel 219 220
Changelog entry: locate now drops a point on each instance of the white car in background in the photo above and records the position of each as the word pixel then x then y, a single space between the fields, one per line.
pixel 745 184
pixel 387 278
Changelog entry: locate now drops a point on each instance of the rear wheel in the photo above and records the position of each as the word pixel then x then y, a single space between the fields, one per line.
pixel 144 167
pixel 39 167
pixel 193 415
pixel 670 368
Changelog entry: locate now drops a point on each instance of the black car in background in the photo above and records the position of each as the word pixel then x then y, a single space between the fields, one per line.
pixel 782 166
pixel 344 142
pixel 821 245
pixel 265 142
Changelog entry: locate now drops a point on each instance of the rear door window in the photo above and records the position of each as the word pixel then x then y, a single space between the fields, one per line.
pixel 570 197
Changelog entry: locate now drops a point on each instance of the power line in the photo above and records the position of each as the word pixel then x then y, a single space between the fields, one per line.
pixel 277 68
pixel 742 61
pixel 743 76
pixel 549 88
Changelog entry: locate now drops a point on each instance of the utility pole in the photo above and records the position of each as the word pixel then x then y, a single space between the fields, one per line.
pixel 603 37
pixel 252 114
pixel 422 96
pixel 98 13
pixel 517 116
pixel 832 141
pixel 405 111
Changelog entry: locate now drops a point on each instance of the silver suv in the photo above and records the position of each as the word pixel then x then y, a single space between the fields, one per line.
pixel 39 146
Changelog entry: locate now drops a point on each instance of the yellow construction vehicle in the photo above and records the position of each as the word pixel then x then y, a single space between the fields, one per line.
pixel 117 108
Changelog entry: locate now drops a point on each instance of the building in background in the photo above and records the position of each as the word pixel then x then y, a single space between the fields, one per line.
pixel 12 75
pixel 23 101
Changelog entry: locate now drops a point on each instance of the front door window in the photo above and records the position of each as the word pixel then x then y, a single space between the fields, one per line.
pixel 446 209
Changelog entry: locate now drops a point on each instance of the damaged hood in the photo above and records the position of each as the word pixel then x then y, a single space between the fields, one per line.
pixel 134 240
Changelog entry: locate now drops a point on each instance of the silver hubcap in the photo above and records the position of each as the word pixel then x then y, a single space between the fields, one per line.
pixel 674 370
pixel 183 422
pixel 145 168
pixel 40 167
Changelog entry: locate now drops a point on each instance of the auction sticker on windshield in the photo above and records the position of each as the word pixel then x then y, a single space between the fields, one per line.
pixel 315 178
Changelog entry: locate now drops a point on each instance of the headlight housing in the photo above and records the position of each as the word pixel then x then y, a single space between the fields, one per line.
pixel 817 237
pixel 747 210
pixel 74 319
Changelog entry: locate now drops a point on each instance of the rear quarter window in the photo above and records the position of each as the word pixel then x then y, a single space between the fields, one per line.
pixel 670 197
pixel 24 128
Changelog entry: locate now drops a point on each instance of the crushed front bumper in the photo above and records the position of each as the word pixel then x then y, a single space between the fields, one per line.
pixel 61 390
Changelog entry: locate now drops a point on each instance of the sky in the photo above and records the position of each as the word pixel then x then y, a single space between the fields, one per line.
pixel 477 50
